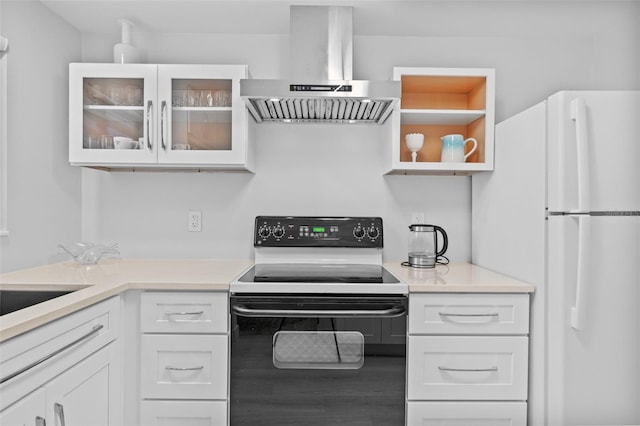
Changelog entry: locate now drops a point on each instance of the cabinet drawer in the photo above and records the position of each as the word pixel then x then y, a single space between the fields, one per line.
pixel 183 413
pixel 196 312
pixel 469 314
pixel 467 368
pixel 467 413
pixel 61 344
pixel 184 367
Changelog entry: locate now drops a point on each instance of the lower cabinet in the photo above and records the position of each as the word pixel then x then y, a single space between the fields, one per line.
pixel 67 372
pixel 467 359
pixel 184 366
pixel 86 394
pixel 183 413
pixel 444 413
pixel 30 410
pixel 184 349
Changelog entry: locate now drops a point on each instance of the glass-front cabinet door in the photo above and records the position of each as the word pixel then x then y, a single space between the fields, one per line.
pixel 111 114
pixel 202 117
pixel 163 116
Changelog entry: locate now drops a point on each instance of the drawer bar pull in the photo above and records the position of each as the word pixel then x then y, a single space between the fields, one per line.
pixel 441 368
pixel 58 409
pixel 184 313
pixel 93 331
pixel 168 367
pixel 450 314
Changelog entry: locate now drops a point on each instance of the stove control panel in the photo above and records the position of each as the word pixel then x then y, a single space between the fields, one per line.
pixel 317 231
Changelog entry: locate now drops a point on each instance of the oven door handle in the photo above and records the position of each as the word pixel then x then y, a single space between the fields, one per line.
pixel 243 311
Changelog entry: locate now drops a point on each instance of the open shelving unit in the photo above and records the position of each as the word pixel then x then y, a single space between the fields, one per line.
pixel 440 101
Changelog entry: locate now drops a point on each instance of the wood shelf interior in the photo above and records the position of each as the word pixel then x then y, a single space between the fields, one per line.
pixel 432 148
pixel 443 92
pixel 113 122
pixel 439 105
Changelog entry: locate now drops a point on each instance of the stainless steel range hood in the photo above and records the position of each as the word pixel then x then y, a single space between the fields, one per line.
pixel 321 88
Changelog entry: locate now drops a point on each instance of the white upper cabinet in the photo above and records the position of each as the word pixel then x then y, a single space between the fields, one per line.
pixel 128 116
pixel 437 102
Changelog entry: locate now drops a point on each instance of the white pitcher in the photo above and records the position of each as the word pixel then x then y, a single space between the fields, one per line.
pixel 453 148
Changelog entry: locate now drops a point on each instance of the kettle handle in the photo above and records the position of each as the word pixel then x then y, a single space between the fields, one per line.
pixel 445 240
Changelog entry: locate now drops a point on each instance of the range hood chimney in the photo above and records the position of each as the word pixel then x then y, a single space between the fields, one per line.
pixel 321 86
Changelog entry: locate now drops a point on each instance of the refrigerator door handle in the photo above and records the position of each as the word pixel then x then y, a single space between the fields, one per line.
pixel 579 116
pixel 578 311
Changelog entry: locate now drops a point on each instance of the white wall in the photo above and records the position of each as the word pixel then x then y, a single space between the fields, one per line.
pixel 44 192
pixel 536 47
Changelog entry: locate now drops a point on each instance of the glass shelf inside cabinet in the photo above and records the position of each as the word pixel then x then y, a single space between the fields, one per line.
pixel 112 107
pixel 113 93
pixel 201 129
pixel 201 114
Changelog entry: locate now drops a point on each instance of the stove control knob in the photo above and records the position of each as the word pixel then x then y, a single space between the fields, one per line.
pixel 264 231
pixel 373 232
pixel 358 232
pixel 278 231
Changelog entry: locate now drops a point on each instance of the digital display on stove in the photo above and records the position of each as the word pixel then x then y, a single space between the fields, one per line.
pixel 318 229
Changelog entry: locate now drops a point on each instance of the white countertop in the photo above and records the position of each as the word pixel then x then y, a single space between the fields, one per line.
pixel 114 276
pixel 108 278
pixel 458 278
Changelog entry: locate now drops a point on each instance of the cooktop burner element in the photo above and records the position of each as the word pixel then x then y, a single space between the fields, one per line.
pixel 319 255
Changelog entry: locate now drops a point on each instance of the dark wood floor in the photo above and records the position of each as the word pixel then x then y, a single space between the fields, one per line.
pixel 262 395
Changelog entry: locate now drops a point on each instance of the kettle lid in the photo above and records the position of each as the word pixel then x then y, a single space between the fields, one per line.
pixel 421 227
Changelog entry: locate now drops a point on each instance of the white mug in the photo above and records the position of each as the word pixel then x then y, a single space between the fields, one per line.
pixel 122 142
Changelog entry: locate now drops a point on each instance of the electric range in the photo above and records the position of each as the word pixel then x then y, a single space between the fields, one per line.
pixel 318 326
pixel 318 255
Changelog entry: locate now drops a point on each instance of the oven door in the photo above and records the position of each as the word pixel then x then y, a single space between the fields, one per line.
pixel 318 360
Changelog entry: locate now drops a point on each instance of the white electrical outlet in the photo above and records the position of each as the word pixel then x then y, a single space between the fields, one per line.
pixel 417 217
pixel 194 221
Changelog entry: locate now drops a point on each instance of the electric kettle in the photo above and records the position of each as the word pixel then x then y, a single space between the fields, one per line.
pixel 423 245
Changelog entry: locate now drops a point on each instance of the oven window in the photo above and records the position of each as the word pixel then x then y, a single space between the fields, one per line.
pixel 318 349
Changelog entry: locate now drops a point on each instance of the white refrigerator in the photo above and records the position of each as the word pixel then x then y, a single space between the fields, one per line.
pixel 562 211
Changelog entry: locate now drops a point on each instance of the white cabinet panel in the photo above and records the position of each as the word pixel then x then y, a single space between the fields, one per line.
pixel 64 342
pixel 165 312
pixel 88 393
pixel 26 411
pixel 469 314
pixel 467 368
pixel 183 413
pixel 184 366
pixel 466 413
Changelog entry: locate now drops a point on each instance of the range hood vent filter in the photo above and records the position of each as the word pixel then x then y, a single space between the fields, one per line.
pixel 324 110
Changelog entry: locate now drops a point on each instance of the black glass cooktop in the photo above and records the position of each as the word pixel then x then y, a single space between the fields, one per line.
pixel 318 273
